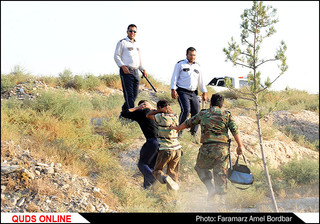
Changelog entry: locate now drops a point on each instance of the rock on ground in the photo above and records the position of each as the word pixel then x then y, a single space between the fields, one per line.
pixel 29 185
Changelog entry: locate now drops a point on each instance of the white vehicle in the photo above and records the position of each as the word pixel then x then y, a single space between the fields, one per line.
pixel 218 83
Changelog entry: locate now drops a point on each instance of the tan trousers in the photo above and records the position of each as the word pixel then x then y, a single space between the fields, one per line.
pixel 171 158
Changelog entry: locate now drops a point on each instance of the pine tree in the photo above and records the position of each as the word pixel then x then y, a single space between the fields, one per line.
pixel 257 24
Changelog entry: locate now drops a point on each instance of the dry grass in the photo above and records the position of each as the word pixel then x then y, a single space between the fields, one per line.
pixel 7 150
pixel 244 199
pixel 45 187
pixel 57 126
pixel 112 81
pixel 11 184
pixel 32 207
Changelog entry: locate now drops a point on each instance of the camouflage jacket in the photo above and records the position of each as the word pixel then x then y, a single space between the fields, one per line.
pixel 215 124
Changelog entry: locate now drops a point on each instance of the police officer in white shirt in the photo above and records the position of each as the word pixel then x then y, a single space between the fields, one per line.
pixel 185 80
pixel 127 56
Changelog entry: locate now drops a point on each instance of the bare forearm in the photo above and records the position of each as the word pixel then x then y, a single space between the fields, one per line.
pixel 238 140
pixel 134 109
pixel 151 114
pixel 179 127
pixel 154 112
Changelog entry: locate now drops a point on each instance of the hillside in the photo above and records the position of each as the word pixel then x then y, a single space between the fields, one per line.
pixel 279 148
pixel 49 166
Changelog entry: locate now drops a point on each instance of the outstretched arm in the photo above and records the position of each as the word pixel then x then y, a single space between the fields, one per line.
pixel 179 127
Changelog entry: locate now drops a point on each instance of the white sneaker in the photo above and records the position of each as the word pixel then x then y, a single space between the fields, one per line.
pixel 172 183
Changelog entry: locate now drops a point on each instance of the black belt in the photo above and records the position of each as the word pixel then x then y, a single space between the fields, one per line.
pixel 186 90
pixel 207 143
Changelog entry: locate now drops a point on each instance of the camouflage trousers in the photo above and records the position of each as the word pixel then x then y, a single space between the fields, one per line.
pixel 213 156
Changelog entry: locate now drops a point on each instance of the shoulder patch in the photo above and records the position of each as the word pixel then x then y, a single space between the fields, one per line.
pixel 122 39
pixel 228 113
pixel 180 61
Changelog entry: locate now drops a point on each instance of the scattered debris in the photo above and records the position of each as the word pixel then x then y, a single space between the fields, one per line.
pixel 27 90
pixel 28 185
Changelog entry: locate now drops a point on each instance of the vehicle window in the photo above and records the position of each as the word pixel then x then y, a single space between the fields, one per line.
pixel 243 83
pixel 220 83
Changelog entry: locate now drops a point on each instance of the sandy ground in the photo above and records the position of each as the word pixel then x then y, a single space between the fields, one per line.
pixel 194 198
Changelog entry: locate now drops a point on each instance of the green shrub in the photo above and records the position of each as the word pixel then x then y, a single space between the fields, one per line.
pixel 99 103
pixel 11 104
pixel 291 175
pixel 290 99
pixel 17 76
pixel 20 75
pixel 7 82
pixel 118 132
pixel 63 106
pixel 49 80
pixel 65 77
pixel 47 101
pixel 112 81
pixel 114 101
pixel 260 182
pixel 77 83
pixel 91 82
pixel 304 171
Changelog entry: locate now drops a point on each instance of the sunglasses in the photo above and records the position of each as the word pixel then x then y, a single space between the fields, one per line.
pixel 132 31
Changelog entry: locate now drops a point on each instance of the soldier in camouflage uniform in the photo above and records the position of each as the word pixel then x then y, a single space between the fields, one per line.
pixel 213 154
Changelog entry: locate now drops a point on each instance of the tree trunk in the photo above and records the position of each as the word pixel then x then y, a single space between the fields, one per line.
pixel 265 164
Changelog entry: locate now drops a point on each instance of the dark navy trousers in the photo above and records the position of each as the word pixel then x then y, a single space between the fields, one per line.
pixel 189 103
pixel 147 160
pixel 130 87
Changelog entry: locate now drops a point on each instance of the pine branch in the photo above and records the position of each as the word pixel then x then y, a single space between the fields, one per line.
pixel 242 52
pixel 245 98
pixel 241 97
pixel 266 61
pixel 242 65
pixel 281 100
pixel 245 40
pixel 247 87
pixel 270 83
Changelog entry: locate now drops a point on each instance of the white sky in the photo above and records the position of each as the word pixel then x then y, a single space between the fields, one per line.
pixel 47 37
